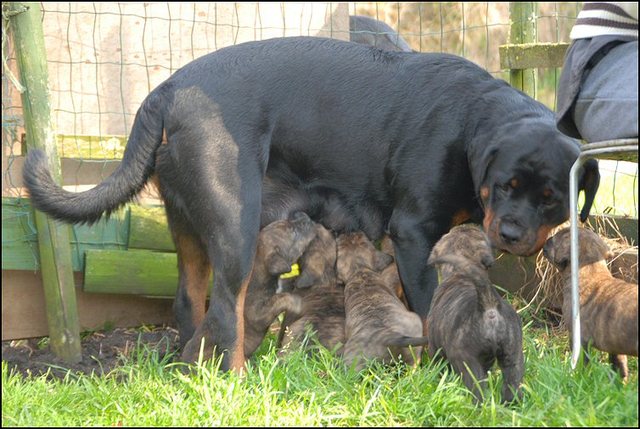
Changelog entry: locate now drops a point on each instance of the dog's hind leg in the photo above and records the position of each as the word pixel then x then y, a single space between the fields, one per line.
pixel 473 374
pixel 512 367
pixel 223 200
pixel 619 363
pixel 194 272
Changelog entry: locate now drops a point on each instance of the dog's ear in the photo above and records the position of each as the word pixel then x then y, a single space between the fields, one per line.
pixel 276 263
pixel 381 260
pixel 306 279
pixel 562 263
pixel 487 260
pixel 480 160
pixel 588 181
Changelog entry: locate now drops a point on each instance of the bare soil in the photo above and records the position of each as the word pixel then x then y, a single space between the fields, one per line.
pixel 102 351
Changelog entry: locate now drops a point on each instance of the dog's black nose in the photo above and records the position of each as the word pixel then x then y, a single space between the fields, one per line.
pixel 510 233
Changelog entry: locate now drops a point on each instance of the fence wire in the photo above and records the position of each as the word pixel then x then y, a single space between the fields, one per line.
pixel 105 57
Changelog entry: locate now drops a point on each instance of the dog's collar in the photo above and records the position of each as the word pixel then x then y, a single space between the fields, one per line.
pixel 295 272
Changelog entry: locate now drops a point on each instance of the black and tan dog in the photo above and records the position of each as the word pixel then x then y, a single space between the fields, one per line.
pixel 378 325
pixel 322 297
pixel 608 306
pixel 280 245
pixel 412 142
pixel 469 324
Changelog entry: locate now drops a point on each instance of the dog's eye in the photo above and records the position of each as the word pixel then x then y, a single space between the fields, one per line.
pixel 547 197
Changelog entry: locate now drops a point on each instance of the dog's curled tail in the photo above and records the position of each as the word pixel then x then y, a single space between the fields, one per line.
pixel 477 273
pixel 117 189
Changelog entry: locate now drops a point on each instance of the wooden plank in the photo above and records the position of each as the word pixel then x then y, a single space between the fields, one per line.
pixel 532 55
pixel 53 237
pixel 24 315
pixel 91 147
pixel 75 172
pixel 19 236
pixel 20 241
pixel 149 229
pixel 137 272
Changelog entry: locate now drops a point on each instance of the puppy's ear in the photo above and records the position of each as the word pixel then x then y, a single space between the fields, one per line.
pixel 562 263
pixel 487 260
pixel 306 279
pixel 276 263
pixel 381 260
pixel 588 181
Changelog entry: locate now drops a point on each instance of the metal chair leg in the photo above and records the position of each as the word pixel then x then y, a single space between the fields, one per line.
pixel 609 150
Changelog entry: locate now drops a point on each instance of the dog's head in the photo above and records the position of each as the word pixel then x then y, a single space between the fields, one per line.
pixel 318 263
pixel 467 242
pixel 522 181
pixel 592 248
pixel 356 253
pixel 282 242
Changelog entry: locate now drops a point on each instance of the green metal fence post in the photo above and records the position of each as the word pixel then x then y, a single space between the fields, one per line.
pixel 53 237
pixel 523 30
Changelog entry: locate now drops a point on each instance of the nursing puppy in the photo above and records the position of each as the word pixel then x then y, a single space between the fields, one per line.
pixel 280 244
pixel 608 306
pixel 321 296
pixel 469 324
pixel 378 325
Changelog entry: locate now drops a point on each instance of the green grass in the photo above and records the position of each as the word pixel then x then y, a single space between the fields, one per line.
pixel 302 390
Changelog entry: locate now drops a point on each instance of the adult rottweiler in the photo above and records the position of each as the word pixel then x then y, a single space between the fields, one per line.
pixel 409 142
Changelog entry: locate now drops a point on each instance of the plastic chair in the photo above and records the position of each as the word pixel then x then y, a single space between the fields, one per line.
pixel 621 149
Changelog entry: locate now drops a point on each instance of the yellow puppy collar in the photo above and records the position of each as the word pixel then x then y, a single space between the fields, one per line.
pixel 295 271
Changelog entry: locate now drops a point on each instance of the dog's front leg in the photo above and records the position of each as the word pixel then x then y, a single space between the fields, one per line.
pixel 412 244
pixel 260 323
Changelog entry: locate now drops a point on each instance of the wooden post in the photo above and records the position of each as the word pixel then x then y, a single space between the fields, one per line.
pixel 523 30
pixel 53 237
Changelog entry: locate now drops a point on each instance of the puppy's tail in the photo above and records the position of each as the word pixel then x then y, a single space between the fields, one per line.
pixel 474 272
pixel 404 341
pixel 120 187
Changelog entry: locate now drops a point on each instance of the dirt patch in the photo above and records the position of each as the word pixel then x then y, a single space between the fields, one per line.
pixel 101 351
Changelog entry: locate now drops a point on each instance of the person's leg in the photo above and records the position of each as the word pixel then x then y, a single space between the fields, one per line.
pixel 607 105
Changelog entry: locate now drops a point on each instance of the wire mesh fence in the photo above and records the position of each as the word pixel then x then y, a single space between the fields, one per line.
pixel 104 58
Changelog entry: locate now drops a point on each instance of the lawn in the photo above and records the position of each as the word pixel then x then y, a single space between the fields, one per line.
pixel 147 389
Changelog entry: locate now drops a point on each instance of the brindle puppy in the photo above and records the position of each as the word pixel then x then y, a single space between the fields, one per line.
pixel 469 324
pixel 280 244
pixel 378 325
pixel 608 306
pixel 321 295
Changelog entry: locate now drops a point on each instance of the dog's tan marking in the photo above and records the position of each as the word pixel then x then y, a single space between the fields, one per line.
pixel 237 358
pixel 484 192
pixel 488 219
pixel 196 269
pixel 459 217
pixel 543 234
